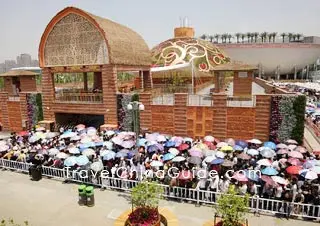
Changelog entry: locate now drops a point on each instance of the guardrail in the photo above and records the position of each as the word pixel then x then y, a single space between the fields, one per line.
pixel 241 101
pixel 256 203
pixel 164 99
pixel 79 97
pixel 200 100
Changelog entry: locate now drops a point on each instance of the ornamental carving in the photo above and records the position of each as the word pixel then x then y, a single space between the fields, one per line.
pixel 75 41
pixel 204 55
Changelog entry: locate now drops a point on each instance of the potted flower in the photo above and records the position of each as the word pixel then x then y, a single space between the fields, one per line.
pixel 145 200
pixel 232 208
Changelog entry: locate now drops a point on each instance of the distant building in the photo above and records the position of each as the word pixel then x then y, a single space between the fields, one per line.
pixel 24 60
pixel 2 70
pixel 34 63
pixel 8 64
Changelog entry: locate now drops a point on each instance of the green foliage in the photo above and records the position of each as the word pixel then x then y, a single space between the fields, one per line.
pixel 232 207
pixel 39 107
pixel 146 194
pixel 299 110
pixel 288 117
pixel 11 222
pixel 135 97
pixel 1 83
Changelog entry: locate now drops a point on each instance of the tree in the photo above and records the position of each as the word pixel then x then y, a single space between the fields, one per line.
pixel 204 36
pixel 270 37
pixel 248 36
pixel 290 36
pixel 224 37
pixel 294 37
pixel 238 35
pixel 256 35
pixel 274 35
pixel 232 207
pixel 299 36
pixel 217 36
pixel 283 35
pixel 263 36
pixel 230 37
pixel 243 35
pixel 211 37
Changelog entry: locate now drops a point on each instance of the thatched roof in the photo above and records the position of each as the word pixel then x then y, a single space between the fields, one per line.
pixel 235 66
pixel 125 46
pixel 18 73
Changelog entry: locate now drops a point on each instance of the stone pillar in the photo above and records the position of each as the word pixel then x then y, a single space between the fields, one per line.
pixel 219 116
pixel 146 115
pixel 4 111
pixel 295 73
pixel 24 110
pixel 48 94
pixel 109 92
pixel 180 114
pixel 217 85
pixel 147 81
pixel 263 111
pixel 242 85
pixel 85 81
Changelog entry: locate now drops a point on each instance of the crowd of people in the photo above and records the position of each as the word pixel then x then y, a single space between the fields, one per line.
pixel 282 171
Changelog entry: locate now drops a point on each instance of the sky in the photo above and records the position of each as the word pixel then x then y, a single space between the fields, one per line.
pixel 22 22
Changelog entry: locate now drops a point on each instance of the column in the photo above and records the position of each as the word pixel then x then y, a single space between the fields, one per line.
pixel 85 81
pixel 263 111
pixel 146 115
pixel 180 114
pixel 4 111
pixel 47 94
pixel 219 116
pixel 147 81
pixel 23 109
pixel 109 93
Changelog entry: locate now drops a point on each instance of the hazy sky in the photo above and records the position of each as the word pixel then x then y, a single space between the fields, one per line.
pixel 23 21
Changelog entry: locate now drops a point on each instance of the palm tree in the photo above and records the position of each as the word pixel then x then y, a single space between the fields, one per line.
pixel 230 36
pixel 238 35
pixel 294 36
pixel 263 36
pixel 248 36
pixel 211 37
pixel 283 35
pixel 269 36
pixel 290 36
pixel 256 35
pixel 243 35
pixel 299 36
pixel 225 36
pixel 204 36
pixel 217 36
pixel 274 35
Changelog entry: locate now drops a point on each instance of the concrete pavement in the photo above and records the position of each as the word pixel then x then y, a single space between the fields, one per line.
pixel 50 203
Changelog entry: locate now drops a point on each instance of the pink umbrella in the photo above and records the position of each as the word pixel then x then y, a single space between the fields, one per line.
pixel 294 162
pixel 295 154
pixel 301 149
pixel 196 153
pixel 231 142
pixel 128 143
pixel 240 177
pixel 282 151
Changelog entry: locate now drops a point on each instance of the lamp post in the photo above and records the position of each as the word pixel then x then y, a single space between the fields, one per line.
pixel 135 107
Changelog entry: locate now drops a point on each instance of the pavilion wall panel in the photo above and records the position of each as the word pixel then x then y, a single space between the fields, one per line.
pixel 219 120
pixel 163 120
pixel 4 111
pixel 242 86
pixel 180 111
pixel 47 94
pixel 199 121
pixel 14 113
pixel 240 123
pixel 28 84
pixel 146 115
pixel 262 118
pixel 72 108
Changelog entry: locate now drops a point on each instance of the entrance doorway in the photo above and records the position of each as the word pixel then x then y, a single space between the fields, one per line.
pixel 66 120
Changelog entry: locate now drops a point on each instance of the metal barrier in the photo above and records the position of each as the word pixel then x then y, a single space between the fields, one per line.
pixel 241 101
pixel 163 99
pixel 200 100
pixel 256 203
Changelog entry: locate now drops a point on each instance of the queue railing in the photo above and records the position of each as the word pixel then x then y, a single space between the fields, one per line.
pixel 256 203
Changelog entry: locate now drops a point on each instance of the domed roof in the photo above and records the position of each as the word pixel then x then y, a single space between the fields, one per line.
pixel 205 55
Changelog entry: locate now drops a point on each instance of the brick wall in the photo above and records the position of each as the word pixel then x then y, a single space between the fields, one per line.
pixel 180 114
pixel 28 84
pixel 163 119
pixel 262 118
pixel 242 86
pixel 23 106
pixel 199 121
pixel 4 111
pixel 241 122
pixel 8 85
pixel 219 121
pixel 14 113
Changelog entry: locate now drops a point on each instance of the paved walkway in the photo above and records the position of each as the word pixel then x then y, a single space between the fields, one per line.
pixel 52 203
pixel 311 140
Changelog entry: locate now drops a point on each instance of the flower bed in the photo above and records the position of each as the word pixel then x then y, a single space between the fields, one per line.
pixel 144 216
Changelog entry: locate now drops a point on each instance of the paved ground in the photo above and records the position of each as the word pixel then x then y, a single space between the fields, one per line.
pixel 312 141
pixel 51 203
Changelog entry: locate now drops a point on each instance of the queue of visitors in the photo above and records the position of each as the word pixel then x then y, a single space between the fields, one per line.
pixel 282 171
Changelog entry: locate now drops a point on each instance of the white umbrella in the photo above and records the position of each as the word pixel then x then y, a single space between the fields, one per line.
pixel 50 135
pixel 96 166
pixel 209 138
pixel 34 138
pixel 40 129
pixel 282 146
pixel 4 148
pixel 209 153
pixel 88 152
pixel 62 155
pixel 295 154
pixel 75 138
pixel 222 144
pixel 110 133
pixel 220 154
pixel 161 138
pixel 2 142
pixel 85 140
pixel 108 144
pixel 178 159
pixel 188 139
pixel 308 174
pixel 280 180
pixel 254 141
pixel 105 152
pixel 290 141
pixel 68 135
pixel 292 147
pixel 264 162
pixel 253 152
pixel 209 159
pixel 53 151
pixel 74 150
pixel 174 151
pixel 156 163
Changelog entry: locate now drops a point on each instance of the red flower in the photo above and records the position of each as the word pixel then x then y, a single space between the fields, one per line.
pixel 203 66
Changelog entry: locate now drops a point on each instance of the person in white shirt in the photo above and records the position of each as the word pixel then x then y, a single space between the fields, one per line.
pixel 279 191
pixel 243 189
pixel 254 189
